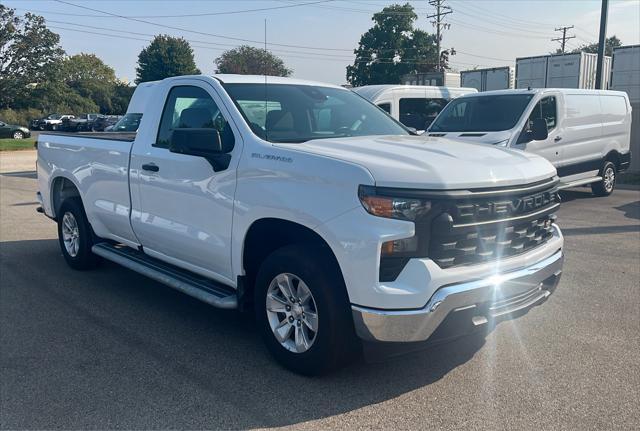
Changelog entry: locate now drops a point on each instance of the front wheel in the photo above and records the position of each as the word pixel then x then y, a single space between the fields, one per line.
pixel 75 235
pixel 607 184
pixel 303 311
pixel 18 135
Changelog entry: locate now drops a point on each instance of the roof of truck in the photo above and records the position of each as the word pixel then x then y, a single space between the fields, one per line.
pixel 260 79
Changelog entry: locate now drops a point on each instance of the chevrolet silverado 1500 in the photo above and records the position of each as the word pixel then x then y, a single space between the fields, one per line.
pixel 309 205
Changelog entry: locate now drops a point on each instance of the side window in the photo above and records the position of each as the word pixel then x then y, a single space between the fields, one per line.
pixel 545 109
pixel 420 112
pixel 190 107
pixel 386 107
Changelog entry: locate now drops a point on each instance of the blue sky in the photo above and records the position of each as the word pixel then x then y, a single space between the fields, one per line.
pixel 485 33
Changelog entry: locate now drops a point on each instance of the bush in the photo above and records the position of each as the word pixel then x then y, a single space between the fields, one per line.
pixel 21 117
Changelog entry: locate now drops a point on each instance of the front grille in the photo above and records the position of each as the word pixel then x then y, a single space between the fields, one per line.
pixel 489 225
pixel 483 243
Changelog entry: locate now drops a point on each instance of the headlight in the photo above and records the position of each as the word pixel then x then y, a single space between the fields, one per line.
pixel 390 203
pixel 380 204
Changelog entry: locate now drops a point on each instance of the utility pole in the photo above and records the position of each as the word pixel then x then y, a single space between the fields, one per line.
pixel 601 43
pixel 441 11
pixel 564 38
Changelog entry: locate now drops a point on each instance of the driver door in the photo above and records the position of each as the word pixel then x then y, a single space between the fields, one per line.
pixel 550 148
pixel 185 208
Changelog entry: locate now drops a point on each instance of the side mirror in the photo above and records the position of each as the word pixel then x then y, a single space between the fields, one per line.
pixel 539 130
pixel 206 143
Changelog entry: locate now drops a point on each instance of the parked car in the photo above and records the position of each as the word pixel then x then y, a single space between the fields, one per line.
pixel 80 123
pixel 39 123
pixel 129 123
pixel 586 134
pixel 415 106
pixel 13 131
pixel 324 215
pixel 53 121
pixel 104 121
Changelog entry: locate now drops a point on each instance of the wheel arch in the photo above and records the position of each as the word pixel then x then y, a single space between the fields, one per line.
pixel 266 235
pixel 614 157
pixel 62 188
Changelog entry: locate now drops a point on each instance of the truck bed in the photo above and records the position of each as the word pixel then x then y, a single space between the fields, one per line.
pixel 110 136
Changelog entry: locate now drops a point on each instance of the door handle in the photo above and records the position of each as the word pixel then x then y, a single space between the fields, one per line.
pixel 557 139
pixel 150 167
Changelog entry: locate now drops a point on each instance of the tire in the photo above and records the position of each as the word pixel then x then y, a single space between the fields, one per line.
pixel 76 236
pixel 334 342
pixel 18 135
pixel 608 183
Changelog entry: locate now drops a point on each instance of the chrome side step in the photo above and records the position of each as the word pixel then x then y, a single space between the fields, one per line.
pixel 205 290
pixel 577 183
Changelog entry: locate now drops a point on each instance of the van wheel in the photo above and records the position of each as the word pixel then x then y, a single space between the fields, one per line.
pixel 75 235
pixel 303 311
pixel 608 183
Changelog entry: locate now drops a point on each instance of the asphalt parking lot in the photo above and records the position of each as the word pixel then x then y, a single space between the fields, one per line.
pixel 112 349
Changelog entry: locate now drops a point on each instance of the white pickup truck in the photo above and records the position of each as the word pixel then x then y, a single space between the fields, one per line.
pixel 311 206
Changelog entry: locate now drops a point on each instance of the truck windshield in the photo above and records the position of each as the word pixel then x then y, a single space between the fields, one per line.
pixel 299 113
pixel 481 113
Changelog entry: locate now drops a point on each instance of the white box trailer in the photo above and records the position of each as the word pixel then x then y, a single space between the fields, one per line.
pixel 495 78
pixel 560 71
pixel 625 73
pixel 436 79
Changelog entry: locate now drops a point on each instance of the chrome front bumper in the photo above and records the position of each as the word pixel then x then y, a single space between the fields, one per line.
pixel 493 296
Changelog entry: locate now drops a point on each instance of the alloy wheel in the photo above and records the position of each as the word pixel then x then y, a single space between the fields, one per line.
pixel 292 312
pixel 70 234
pixel 609 179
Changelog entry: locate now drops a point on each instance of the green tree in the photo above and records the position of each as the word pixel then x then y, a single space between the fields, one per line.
pixel 122 93
pixel 166 56
pixel 392 48
pixel 247 60
pixel 29 52
pixel 609 44
pixel 90 78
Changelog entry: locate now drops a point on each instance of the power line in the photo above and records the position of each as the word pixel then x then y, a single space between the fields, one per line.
pixel 563 39
pixel 196 32
pixel 442 10
pixel 190 40
pixel 494 31
pixel 190 15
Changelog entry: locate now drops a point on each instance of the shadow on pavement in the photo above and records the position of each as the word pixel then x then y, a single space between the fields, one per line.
pixel 108 340
pixel 600 230
pixel 631 210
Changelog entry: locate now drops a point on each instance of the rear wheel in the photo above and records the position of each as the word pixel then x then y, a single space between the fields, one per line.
pixel 303 311
pixel 75 235
pixel 18 135
pixel 607 184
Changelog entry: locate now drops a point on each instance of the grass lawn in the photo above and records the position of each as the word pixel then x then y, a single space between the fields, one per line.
pixel 16 144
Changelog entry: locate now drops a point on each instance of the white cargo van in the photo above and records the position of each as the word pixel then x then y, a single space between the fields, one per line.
pixel 414 106
pixel 584 133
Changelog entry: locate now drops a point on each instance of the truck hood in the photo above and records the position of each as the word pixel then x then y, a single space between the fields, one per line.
pixel 477 137
pixel 433 163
